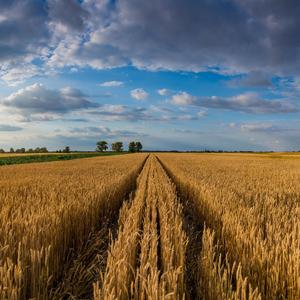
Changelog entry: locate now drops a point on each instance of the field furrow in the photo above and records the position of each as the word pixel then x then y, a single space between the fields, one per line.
pixel 147 259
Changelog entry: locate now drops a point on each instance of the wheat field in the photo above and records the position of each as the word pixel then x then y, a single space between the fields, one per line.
pixel 152 226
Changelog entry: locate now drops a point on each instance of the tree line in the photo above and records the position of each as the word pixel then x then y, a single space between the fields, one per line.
pixel 133 146
pixel 35 150
pixel 102 146
pixel 30 150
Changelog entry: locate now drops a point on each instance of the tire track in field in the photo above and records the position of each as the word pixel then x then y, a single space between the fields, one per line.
pixel 193 226
pixel 147 260
pixel 84 266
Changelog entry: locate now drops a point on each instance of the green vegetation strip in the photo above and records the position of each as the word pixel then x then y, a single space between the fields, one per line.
pixel 24 159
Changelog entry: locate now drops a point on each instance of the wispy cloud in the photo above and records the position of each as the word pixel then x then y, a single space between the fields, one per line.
pixel 4 127
pixel 111 83
pixel 247 102
pixel 253 79
pixel 94 132
pixel 163 92
pixel 262 127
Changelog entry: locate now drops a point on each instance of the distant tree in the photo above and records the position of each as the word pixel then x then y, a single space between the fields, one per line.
pixel 37 150
pixel 117 146
pixel 43 150
pixel 102 146
pixel 21 150
pixel 138 146
pixel 132 147
pixel 30 150
pixel 11 150
pixel 67 149
pixel 2 151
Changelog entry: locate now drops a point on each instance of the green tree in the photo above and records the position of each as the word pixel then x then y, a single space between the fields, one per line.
pixel 43 150
pixel 102 146
pixel 21 150
pixel 2 151
pixel 67 149
pixel 11 150
pixel 132 147
pixel 138 146
pixel 117 146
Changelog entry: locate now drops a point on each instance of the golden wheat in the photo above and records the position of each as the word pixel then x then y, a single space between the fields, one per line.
pixel 48 211
pixel 240 214
pixel 252 204
pixel 152 219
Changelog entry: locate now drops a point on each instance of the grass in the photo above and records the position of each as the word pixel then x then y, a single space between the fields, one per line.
pixel 38 158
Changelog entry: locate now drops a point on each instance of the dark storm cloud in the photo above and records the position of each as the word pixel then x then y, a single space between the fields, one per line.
pixel 68 12
pixel 231 36
pixel 23 29
pixel 195 35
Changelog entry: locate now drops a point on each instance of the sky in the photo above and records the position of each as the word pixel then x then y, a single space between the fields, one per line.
pixel 174 74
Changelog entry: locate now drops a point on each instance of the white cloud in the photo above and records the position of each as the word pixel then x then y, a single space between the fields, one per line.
pixel 163 92
pixel 183 98
pixel 201 113
pixel 15 74
pixel 36 99
pixel 139 94
pixel 260 127
pixel 257 127
pixel 113 83
pixel 246 102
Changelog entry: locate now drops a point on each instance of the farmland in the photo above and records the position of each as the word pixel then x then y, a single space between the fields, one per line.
pixel 13 159
pixel 152 226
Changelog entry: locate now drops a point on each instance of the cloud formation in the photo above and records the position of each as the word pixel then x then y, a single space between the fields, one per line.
pixel 37 99
pixel 163 92
pixel 5 127
pixel 253 79
pixel 139 94
pixel 92 133
pixel 247 102
pixel 113 83
pixel 261 127
pixel 183 98
pixel 231 36
pixel 108 112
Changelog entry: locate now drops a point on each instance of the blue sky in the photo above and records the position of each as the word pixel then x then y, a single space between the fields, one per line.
pixel 176 75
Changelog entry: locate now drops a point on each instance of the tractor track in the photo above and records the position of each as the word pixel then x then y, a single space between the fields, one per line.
pixel 158 230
